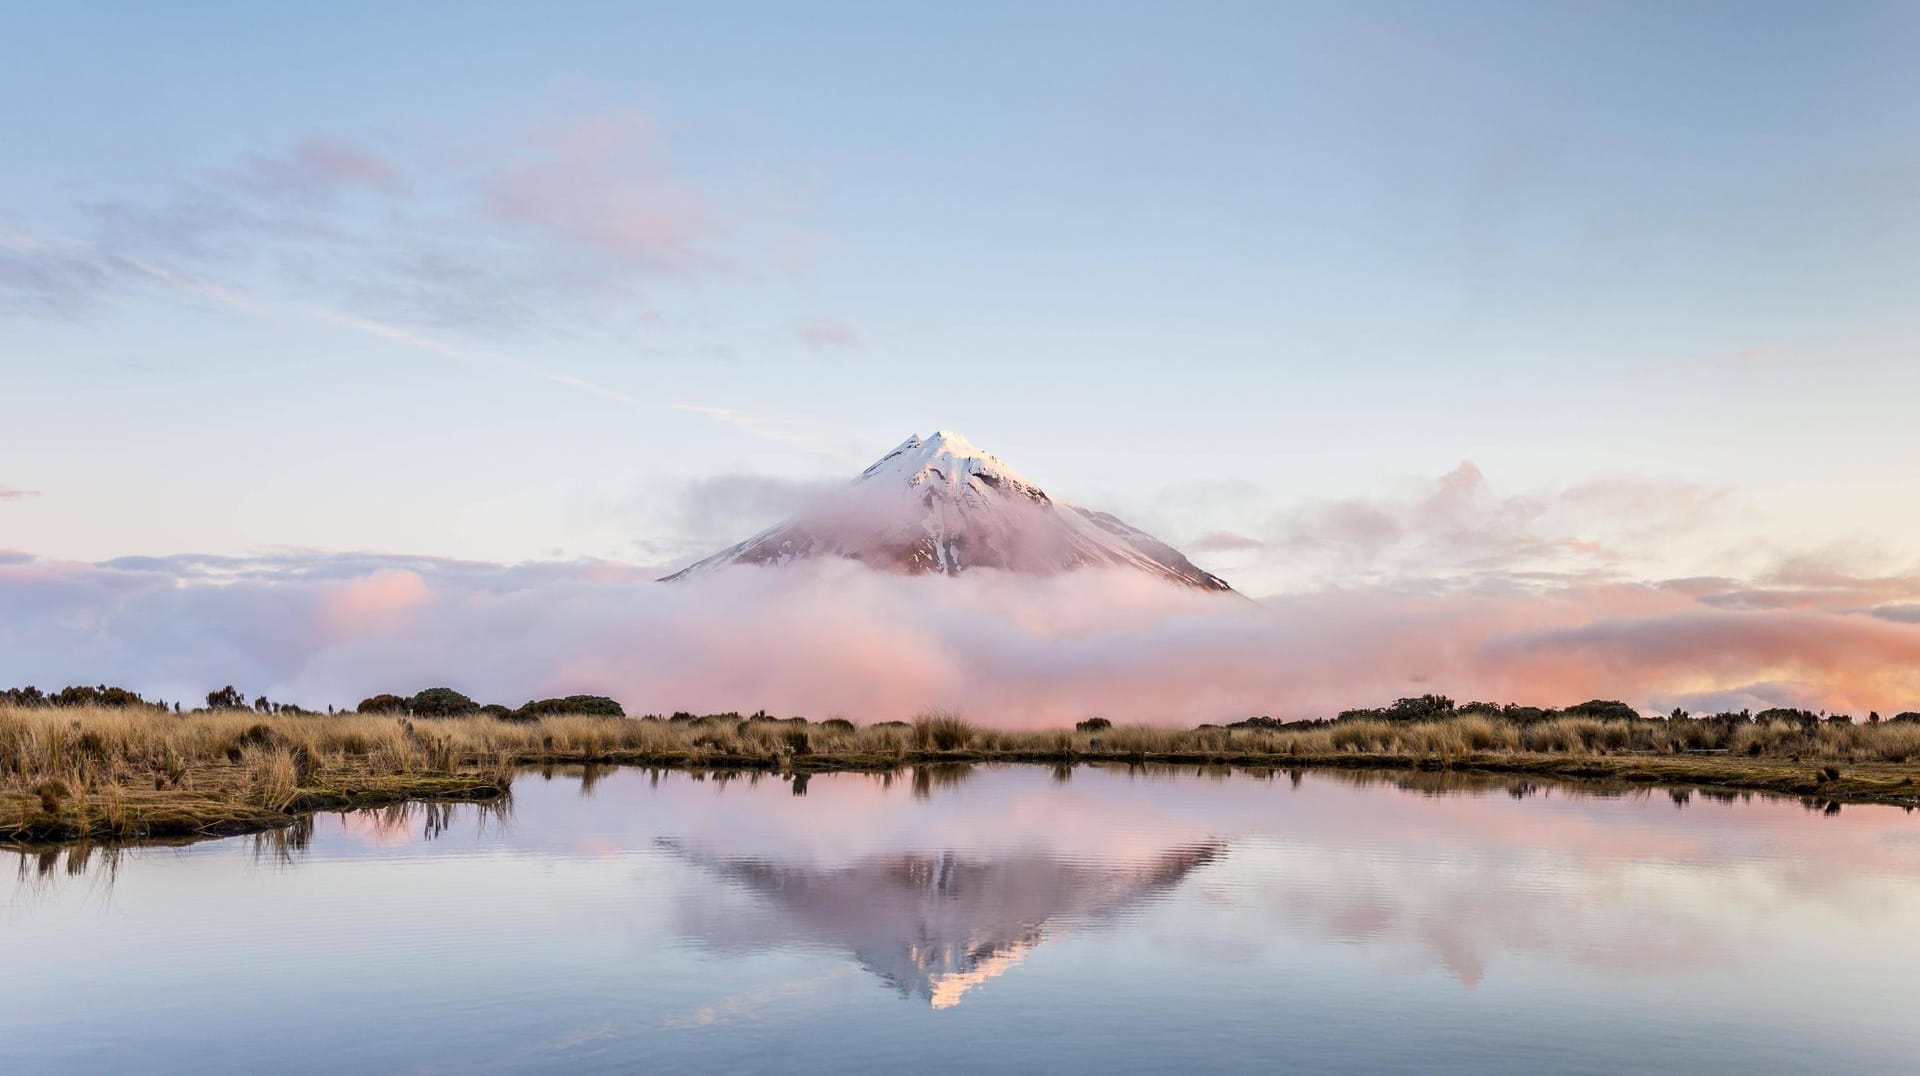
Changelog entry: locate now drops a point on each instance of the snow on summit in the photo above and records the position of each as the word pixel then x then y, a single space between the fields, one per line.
pixel 941 505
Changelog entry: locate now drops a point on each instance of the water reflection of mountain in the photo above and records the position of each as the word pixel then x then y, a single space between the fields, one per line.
pixel 936 925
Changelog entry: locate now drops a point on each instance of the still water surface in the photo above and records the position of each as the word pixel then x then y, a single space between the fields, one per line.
pixel 1012 918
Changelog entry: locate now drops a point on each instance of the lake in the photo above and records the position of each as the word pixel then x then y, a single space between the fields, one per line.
pixel 1017 918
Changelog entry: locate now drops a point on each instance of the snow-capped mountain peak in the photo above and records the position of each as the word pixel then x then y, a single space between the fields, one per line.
pixel 939 504
pixel 948 462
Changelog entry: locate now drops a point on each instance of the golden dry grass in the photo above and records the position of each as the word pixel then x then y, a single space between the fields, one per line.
pixel 134 772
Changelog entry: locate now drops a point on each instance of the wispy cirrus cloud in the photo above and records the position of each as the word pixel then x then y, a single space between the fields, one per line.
pixel 561 226
pixel 562 230
pixel 801 433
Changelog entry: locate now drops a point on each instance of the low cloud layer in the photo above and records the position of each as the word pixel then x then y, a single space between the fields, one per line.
pixel 833 638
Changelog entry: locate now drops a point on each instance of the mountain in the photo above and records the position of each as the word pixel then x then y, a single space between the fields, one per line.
pixel 939 504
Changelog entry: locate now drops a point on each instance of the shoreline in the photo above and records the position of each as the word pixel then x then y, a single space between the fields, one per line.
pixel 162 815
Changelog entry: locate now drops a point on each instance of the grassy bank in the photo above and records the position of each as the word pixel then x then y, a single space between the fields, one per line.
pixel 135 772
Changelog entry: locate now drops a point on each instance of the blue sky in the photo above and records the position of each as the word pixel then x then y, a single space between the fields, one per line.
pixel 514 282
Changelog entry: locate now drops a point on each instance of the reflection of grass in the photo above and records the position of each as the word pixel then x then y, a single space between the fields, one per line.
pixel 87 772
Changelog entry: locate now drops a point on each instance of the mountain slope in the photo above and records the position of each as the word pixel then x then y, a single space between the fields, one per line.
pixel 941 505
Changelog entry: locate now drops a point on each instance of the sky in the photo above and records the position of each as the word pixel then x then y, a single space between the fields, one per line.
pixel 1528 303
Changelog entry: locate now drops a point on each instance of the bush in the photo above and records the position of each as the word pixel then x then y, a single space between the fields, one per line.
pixel 1604 709
pixel 1093 724
pixel 838 724
pixel 96 696
pixel 441 702
pixel 226 699
pixel 1422 708
pixel 592 705
pixel 382 704
pixel 23 696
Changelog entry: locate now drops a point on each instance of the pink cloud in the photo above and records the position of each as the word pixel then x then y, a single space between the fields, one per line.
pixel 1457 524
pixel 603 183
pixel 321 165
pixel 822 334
pixel 9 494
pixel 1226 542
pixel 372 603
pixel 1008 650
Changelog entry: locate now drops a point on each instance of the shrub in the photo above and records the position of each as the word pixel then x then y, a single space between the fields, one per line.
pixel 1605 709
pixel 115 697
pixel 592 705
pixel 799 742
pixel 226 699
pixel 23 696
pixel 441 702
pixel 1093 724
pixel 382 704
pixel 838 724
pixel 1422 708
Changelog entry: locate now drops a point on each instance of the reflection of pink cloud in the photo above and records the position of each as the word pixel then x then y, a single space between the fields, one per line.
pixel 381 829
pixel 1464 883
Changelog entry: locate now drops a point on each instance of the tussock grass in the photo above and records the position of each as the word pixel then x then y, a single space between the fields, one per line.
pixel 133 772
pixel 940 730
